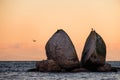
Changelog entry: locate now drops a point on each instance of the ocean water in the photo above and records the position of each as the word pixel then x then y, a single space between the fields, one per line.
pixel 17 70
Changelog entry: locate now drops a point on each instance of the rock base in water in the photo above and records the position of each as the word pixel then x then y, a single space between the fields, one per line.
pixel 52 66
pixel 47 66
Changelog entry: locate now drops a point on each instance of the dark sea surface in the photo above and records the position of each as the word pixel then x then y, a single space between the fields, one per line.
pixel 18 70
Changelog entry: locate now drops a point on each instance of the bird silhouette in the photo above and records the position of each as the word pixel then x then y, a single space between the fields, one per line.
pixel 34 40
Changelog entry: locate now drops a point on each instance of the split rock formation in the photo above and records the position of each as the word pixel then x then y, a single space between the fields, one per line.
pixel 62 57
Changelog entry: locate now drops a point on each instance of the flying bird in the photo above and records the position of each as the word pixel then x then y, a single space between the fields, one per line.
pixel 34 40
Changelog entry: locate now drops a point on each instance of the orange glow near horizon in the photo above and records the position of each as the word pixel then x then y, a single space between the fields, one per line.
pixel 22 21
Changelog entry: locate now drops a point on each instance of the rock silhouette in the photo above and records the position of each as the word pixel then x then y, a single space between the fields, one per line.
pixel 94 52
pixel 61 49
pixel 62 57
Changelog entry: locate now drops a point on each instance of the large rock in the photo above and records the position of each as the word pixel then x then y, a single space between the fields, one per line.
pixel 94 52
pixel 61 49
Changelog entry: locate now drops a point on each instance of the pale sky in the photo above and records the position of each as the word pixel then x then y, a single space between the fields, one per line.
pixel 21 21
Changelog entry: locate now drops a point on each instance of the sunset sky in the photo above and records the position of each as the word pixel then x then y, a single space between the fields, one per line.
pixel 22 21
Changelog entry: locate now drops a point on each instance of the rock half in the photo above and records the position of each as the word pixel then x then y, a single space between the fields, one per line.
pixel 94 52
pixel 61 49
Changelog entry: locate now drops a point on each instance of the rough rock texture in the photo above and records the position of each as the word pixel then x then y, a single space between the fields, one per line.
pixel 61 49
pixel 107 67
pixel 94 52
pixel 47 66
pixel 80 69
